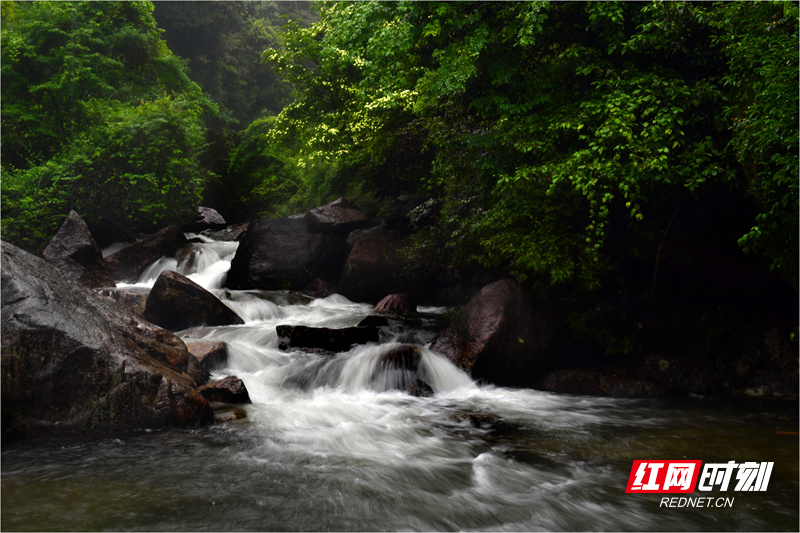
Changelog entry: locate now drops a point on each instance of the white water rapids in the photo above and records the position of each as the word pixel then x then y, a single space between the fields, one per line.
pixel 330 444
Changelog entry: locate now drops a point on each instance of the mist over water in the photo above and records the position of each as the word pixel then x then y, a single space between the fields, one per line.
pixel 331 442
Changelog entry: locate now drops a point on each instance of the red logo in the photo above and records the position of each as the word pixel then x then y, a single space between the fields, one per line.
pixel 663 477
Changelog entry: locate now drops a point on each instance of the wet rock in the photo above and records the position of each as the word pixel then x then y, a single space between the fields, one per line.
pixel 130 262
pixel 590 382
pixel 502 336
pixel 337 218
pixel 327 339
pixel 205 218
pixel 227 390
pixel 374 267
pixel 231 233
pixel 374 321
pixel 199 374
pixel 72 361
pixel 319 288
pixel 281 254
pixel 210 354
pixel 397 370
pixel 132 298
pixel 176 303
pixel 396 304
pixel 224 412
pixel 74 251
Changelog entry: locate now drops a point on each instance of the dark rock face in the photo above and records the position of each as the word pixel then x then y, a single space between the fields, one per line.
pixel 130 262
pixel 396 304
pixel 336 218
pixel 205 218
pixel 500 336
pixel 590 382
pixel 74 251
pixel 176 303
pixel 210 354
pixel 72 361
pixel 131 298
pixel 678 374
pixel 760 361
pixel 226 390
pixel 326 339
pixel 373 268
pixel 281 254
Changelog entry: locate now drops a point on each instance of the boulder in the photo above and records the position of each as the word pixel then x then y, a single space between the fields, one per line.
pixel 336 218
pixel 326 339
pixel 227 390
pixel 396 304
pixel 176 303
pixel 502 336
pixel 74 251
pixel 130 262
pixel 593 383
pixel 72 361
pixel 319 288
pixel 281 254
pixel 374 267
pixel 397 370
pixel 230 233
pixel 210 354
pixel 131 298
pixel 205 218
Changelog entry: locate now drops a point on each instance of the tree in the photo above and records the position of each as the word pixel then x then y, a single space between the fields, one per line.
pixel 561 139
pixel 98 116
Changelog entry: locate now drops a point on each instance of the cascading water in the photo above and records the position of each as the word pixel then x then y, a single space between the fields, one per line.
pixel 331 442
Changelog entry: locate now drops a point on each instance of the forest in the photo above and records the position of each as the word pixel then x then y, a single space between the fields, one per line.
pixel 399 266
pixel 579 148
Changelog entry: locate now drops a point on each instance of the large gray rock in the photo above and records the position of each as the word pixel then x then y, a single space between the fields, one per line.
pixel 375 268
pixel 502 336
pixel 74 251
pixel 132 298
pixel 281 254
pixel 396 304
pixel 337 218
pixel 130 262
pixel 205 218
pixel 73 361
pixel 176 303
pixel 210 354
pixel 227 390
pixel 398 369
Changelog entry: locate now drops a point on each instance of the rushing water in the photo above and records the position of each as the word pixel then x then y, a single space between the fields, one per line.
pixel 328 444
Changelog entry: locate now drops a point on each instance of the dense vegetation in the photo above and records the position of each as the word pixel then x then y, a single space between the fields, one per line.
pixel 557 139
pixel 558 142
pixel 98 115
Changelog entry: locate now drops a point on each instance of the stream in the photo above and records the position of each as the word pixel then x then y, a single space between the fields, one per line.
pixel 329 443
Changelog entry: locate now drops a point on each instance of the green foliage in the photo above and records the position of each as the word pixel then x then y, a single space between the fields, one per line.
pixel 547 129
pixel 762 47
pixel 223 42
pixel 97 116
pixel 265 182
